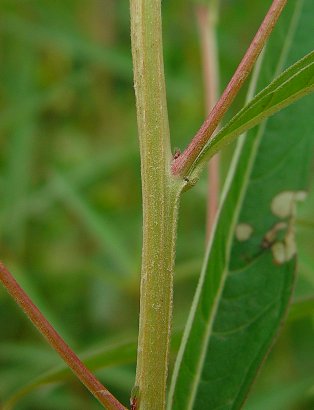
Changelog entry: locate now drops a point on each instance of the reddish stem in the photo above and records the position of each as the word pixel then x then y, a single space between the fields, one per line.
pixel 206 18
pixel 184 162
pixel 57 343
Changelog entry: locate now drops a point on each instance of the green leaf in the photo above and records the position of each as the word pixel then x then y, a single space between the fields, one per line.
pixel 294 83
pixel 248 274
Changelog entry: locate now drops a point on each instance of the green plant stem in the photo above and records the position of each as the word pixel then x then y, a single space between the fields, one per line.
pixel 57 343
pixel 160 203
pixel 184 162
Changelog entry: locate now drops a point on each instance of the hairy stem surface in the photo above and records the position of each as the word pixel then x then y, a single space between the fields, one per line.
pixel 160 198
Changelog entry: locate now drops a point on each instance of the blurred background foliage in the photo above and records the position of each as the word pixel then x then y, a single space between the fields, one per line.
pixel 70 211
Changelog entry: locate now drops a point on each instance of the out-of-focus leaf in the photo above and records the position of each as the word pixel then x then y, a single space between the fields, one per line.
pixel 84 174
pixel 113 59
pixel 20 154
pixel 282 397
pixel 248 274
pixel 36 101
pixel 98 226
pixel 71 43
pixel 301 308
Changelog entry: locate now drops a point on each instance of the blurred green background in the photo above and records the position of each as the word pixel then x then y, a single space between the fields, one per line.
pixel 70 211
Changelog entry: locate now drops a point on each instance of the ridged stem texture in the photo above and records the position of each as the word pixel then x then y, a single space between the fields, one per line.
pixel 160 193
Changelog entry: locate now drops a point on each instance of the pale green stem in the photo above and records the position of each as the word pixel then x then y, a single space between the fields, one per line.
pixel 160 203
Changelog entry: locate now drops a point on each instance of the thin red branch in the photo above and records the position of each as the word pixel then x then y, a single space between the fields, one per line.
pixel 182 164
pixel 57 343
pixel 207 21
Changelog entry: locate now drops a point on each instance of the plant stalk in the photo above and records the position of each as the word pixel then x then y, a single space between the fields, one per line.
pixel 207 16
pixel 184 162
pixel 160 192
pixel 57 343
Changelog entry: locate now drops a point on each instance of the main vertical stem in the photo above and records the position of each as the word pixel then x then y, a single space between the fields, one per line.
pixel 160 197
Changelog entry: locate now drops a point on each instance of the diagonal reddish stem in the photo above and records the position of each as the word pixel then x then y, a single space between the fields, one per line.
pixel 57 343
pixel 182 164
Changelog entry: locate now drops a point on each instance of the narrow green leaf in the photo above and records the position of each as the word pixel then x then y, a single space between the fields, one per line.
pixel 248 274
pixel 294 83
